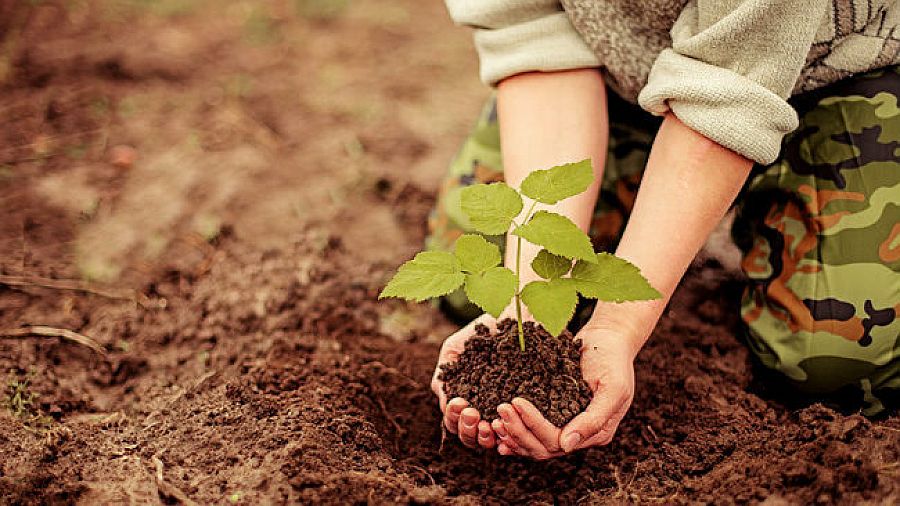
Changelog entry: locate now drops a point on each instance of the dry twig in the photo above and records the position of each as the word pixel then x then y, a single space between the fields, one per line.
pixel 65 334
pixel 80 286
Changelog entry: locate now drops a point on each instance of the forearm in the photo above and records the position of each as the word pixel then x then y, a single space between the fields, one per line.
pixel 688 186
pixel 548 119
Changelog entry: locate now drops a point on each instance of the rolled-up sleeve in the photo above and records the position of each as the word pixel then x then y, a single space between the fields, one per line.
pixel 731 69
pixel 516 36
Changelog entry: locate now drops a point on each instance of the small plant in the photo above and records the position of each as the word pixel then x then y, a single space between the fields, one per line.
pixel 475 262
pixel 20 401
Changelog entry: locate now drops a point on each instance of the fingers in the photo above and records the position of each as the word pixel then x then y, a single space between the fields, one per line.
pixel 544 431
pixel 528 444
pixel 504 441
pixel 453 413
pixel 506 445
pixel 597 425
pixel 486 438
pixel 467 427
pixel 466 422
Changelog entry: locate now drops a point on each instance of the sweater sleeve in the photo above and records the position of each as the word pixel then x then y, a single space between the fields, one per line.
pixel 515 36
pixel 731 69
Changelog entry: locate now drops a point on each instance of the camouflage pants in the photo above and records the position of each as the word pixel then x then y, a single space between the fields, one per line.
pixel 819 229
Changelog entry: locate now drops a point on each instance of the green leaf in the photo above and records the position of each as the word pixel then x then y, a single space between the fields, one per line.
pixel 612 279
pixel 558 234
pixel 492 289
pixel 552 303
pixel 550 266
pixel 476 254
pixel 558 183
pixel 491 207
pixel 430 274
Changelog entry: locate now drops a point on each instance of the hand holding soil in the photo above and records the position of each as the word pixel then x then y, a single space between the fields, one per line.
pixel 607 361
pixel 487 369
pixel 519 427
pixel 459 417
pixel 607 366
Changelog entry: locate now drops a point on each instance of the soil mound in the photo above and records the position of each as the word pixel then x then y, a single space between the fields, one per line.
pixel 493 370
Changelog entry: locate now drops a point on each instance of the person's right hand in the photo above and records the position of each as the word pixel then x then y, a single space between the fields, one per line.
pixel 607 365
pixel 459 418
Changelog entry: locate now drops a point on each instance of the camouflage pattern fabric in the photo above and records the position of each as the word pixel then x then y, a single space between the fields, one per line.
pixel 820 232
pixel 819 229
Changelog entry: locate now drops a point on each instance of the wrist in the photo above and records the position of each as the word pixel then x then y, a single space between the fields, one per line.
pixel 631 323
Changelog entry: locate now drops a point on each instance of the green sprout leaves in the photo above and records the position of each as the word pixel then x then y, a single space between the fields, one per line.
pixel 559 183
pixel 612 279
pixel 558 235
pixel 492 289
pixel 430 274
pixel 487 285
pixel 495 209
pixel 550 266
pixel 474 263
pixel 475 254
pixel 551 302
pixel 491 207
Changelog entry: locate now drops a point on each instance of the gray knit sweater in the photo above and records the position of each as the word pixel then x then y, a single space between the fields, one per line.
pixel 724 67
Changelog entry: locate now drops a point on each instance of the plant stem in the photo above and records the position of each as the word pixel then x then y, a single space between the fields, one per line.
pixel 518 280
pixel 519 295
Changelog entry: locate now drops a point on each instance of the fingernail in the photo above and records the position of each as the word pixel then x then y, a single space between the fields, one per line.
pixel 571 441
pixel 503 413
pixel 470 421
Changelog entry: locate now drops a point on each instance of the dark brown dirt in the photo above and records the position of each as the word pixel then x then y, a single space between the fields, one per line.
pixel 266 372
pixel 493 370
pixel 270 378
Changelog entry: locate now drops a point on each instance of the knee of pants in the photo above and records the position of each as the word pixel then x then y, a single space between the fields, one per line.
pixel 819 307
pixel 820 229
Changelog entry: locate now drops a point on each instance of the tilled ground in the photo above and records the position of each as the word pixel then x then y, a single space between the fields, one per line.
pixel 274 379
pixel 272 193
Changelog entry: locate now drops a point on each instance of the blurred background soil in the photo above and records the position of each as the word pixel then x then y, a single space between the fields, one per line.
pixel 223 186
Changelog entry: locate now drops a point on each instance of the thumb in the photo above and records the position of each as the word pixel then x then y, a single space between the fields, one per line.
pixel 593 423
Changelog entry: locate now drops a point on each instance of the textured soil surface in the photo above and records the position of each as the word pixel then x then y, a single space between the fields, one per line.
pixel 223 187
pixel 493 370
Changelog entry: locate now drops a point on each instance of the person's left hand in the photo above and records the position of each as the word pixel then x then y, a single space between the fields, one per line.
pixel 607 365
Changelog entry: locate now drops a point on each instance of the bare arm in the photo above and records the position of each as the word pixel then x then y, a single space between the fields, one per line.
pixel 688 185
pixel 548 119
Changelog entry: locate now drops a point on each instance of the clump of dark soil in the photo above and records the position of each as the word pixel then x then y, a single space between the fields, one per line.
pixel 493 370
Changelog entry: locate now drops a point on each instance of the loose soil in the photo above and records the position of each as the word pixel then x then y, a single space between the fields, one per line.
pixel 493 370
pixel 255 171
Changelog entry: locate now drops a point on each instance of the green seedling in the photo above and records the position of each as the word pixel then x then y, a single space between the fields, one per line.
pixel 567 263
pixel 21 402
